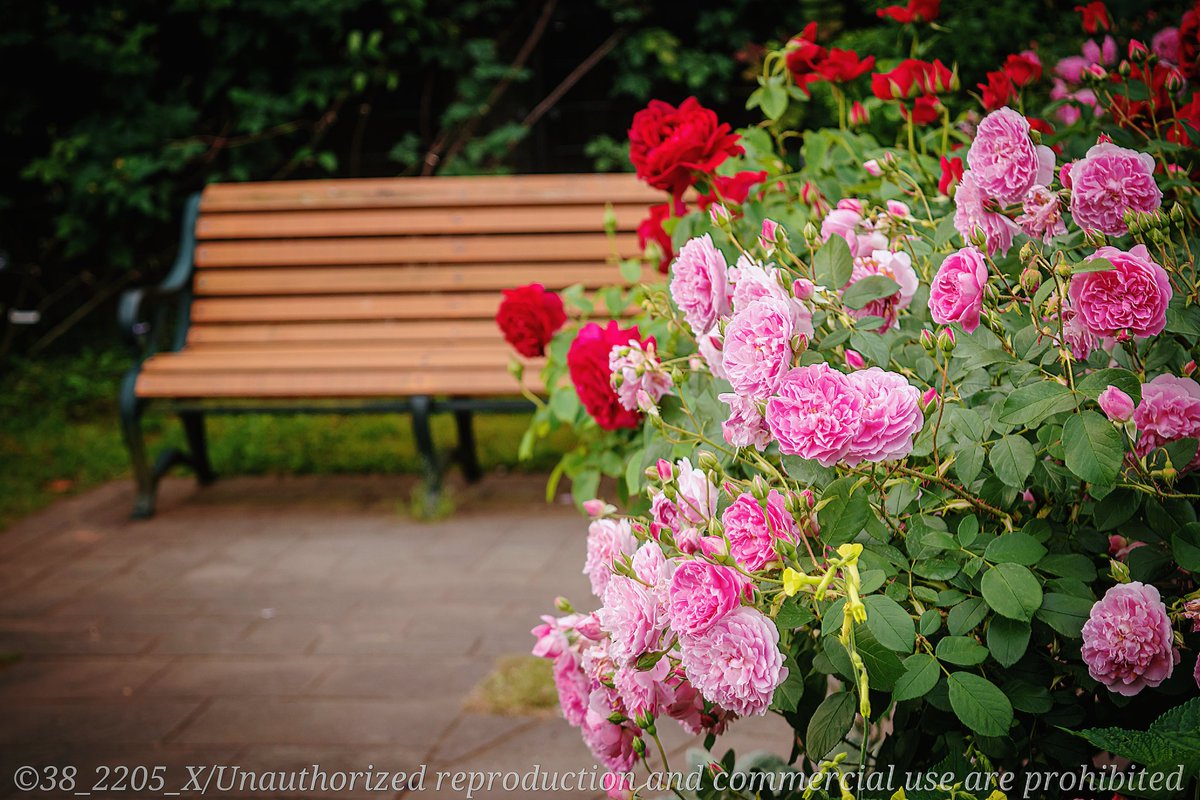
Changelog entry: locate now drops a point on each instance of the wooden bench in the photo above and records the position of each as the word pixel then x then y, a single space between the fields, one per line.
pixel 372 295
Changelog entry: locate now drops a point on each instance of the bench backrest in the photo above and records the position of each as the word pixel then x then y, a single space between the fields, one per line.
pixel 401 259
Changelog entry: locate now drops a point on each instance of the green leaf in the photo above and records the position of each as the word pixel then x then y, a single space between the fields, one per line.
pixel 883 666
pixel 774 100
pixel 1069 565
pixel 829 723
pixel 1015 548
pixel 980 704
pixel 921 674
pixel 968 462
pixel 966 615
pixel 890 623
pixel 833 263
pixel 789 693
pixel 1031 404
pixel 1065 613
pixel 1096 382
pixel 793 615
pixel 872 287
pixel 1185 546
pixel 1093 447
pixel 1181 452
pixel 845 515
pixel 1012 590
pixel 1007 639
pixel 961 650
pixel 1012 458
pixel 1092 265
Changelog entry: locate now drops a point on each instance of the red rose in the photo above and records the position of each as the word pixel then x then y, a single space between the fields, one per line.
pixel 840 66
pixel 529 316
pixel 587 361
pixel 803 55
pixel 732 190
pixel 952 172
pixel 651 230
pixel 1189 42
pixel 912 77
pixel 1023 68
pixel 997 91
pixel 925 110
pixel 668 145
pixel 915 11
pixel 1095 15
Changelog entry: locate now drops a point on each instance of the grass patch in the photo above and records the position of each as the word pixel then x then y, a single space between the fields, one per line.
pixel 59 435
pixel 518 686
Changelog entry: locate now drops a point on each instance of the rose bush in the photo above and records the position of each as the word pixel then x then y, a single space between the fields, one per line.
pixel 918 471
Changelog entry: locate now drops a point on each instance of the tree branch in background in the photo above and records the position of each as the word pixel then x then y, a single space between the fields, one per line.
pixel 433 157
pixel 573 78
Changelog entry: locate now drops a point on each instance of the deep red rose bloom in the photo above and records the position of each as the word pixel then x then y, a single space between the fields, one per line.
pixel 587 361
pixel 997 91
pixel 840 66
pixel 925 110
pixel 915 11
pixel 1040 125
pixel 912 77
pixel 1094 15
pixel 651 230
pixel 731 190
pixel 952 172
pixel 668 145
pixel 1023 69
pixel 1189 42
pixel 803 54
pixel 529 317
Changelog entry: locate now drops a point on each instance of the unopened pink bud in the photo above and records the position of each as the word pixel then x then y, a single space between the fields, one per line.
pixel 770 235
pixel 854 360
pixel 1189 368
pixel 718 213
pixel 1115 404
pixel 666 470
pixel 594 507
pixel 897 209
pixel 803 289
pixel 873 169
pixel 929 398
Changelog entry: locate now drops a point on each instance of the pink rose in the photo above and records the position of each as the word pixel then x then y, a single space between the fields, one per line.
pixel 1170 410
pixel 1109 181
pixel 1130 300
pixel 891 416
pixel 697 495
pixel 633 614
pixel 1004 159
pixel 700 283
pixel 971 211
pixel 1115 404
pixel 771 235
pixel 1042 217
pixel 898 267
pixel 1165 45
pixel 745 426
pixel 816 414
pixel 752 281
pixel 638 377
pixel 1105 53
pixel 758 347
pixel 607 539
pixel 752 530
pixel 701 593
pixel 572 686
pixel 956 294
pixel 848 222
pixel 1071 68
pixel 1127 641
pixel 736 663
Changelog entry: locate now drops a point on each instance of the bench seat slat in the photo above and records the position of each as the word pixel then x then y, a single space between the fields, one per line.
pixel 415 221
pixel 346 307
pixel 415 249
pixel 291 358
pixel 352 280
pixel 333 384
pixel 446 333
pixel 535 190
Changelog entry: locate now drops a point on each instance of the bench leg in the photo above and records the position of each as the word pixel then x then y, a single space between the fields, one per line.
pixel 131 427
pixel 423 437
pixel 468 456
pixel 193 429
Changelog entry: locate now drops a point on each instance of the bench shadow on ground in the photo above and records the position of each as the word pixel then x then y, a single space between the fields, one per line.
pixel 276 623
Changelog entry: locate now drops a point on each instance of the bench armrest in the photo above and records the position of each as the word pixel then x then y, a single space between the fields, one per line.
pixel 141 334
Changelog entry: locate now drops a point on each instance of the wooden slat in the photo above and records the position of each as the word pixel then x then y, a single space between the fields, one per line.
pixel 346 307
pixel 416 249
pixel 444 333
pixel 350 280
pixel 414 221
pixel 341 358
pixel 344 384
pixel 490 190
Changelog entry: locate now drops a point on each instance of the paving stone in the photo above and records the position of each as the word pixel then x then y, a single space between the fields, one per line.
pixel 101 677
pixel 236 676
pixel 136 721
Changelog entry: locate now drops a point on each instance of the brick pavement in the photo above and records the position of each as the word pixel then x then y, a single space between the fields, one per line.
pixel 274 623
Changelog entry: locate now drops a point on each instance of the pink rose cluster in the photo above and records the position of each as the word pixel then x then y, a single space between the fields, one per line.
pixel 1128 643
pixel 638 376
pixel 1169 411
pixel 1004 167
pixel 897 266
pixel 826 416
